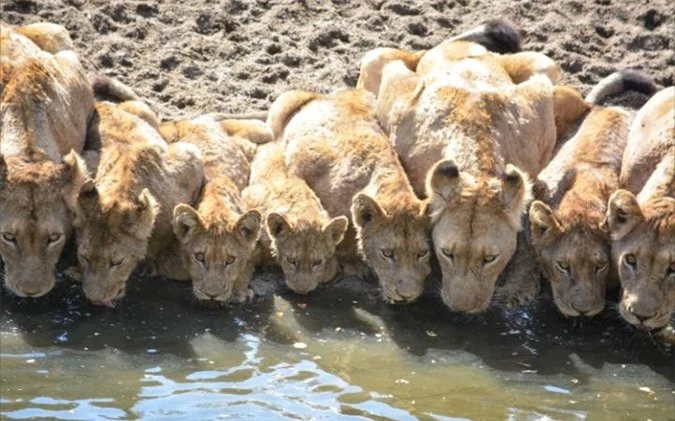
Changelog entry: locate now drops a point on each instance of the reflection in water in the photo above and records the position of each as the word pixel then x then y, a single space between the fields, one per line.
pixel 338 353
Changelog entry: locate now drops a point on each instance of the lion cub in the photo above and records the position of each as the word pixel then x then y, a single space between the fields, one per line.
pixel 125 215
pixel 299 234
pixel 460 118
pixel 218 236
pixel 642 227
pixel 46 103
pixel 334 143
pixel 567 228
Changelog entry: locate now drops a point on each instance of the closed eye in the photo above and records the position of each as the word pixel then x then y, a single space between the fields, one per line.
pixel 55 237
pixel 116 262
pixel 9 237
pixel 564 267
pixel 489 258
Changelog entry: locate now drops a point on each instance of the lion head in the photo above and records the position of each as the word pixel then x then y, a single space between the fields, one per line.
pixel 643 248
pixel 217 252
pixel 305 252
pixel 112 239
pixel 575 258
pixel 395 245
pixel 36 198
pixel 474 223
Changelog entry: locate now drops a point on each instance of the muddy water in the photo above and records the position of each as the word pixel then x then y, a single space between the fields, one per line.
pixel 339 353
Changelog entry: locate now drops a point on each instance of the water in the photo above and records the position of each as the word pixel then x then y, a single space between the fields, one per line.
pixel 340 353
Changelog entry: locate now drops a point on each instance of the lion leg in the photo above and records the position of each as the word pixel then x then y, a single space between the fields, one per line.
pixel 49 37
pixel 400 86
pixel 524 65
pixel 142 111
pixel 256 131
pixel 668 335
pixel 242 291
pixel 569 109
pixel 372 66
pixel 522 276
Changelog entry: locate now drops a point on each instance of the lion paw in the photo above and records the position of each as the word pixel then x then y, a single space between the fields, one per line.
pixel 239 297
pixel 668 335
pixel 74 273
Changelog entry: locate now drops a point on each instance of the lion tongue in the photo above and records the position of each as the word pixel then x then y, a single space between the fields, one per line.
pixel 108 303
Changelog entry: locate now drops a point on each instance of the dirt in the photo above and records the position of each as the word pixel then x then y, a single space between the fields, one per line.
pixel 235 56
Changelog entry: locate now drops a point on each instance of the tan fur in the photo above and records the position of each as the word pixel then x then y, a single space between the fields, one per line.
pixel 568 233
pixel 643 227
pixel 299 234
pixel 461 105
pixel 126 215
pixel 218 236
pixel 46 103
pixel 335 144
pixel 50 37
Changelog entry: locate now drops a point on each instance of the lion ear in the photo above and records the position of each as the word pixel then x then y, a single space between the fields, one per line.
pixel 3 171
pixel 142 218
pixel 365 210
pixel 444 180
pixel 185 221
pixel 74 174
pixel 277 226
pixel 544 226
pixel 88 200
pixel 516 193
pixel 248 226
pixel 623 214
pixel 336 228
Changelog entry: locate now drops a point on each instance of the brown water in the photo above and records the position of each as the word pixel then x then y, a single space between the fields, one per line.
pixel 339 353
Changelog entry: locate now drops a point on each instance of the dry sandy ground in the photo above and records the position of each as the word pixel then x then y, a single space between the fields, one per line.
pixel 191 57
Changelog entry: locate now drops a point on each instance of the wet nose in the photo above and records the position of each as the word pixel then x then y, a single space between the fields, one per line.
pixel 642 316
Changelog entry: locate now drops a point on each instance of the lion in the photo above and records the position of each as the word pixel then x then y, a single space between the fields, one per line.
pixel 46 104
pixel 218 237
pixel 477 111
pixel 641 218
pixel 334 143
pixel 567 228
pixel 299 235
pixel 124 216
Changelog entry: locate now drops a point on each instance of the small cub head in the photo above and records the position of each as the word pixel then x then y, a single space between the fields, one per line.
pixel 36 196
pixel 305 252
pixel 217 254
pixel 643 248
pixel 395 245
pixel 575 258
pixel 474 227
pixel 112 240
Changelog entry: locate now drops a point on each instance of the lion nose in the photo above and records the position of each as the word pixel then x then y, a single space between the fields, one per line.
pixel 641 316
pixel 404 291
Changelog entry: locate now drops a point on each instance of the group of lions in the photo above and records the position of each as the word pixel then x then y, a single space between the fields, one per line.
pixel 470 152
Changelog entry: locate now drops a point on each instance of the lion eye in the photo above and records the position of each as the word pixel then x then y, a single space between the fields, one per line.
pixel 630 260
pixel 9 237
pixel 563 266
pixel 199 257
pixel 116 262
pixel 291 260
pixel 448 253
pixel 230 260
pixel 422 254
pixel 388 253
pixel 671 269
pixel 317 263
pixel 54 238
pixel 489 258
